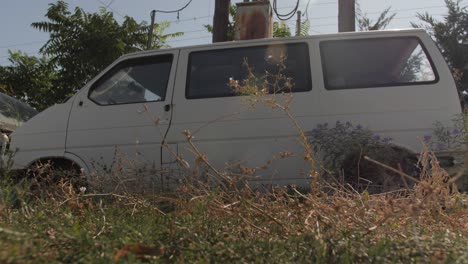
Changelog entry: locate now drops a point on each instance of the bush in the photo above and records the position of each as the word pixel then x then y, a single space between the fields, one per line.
pixel 341 150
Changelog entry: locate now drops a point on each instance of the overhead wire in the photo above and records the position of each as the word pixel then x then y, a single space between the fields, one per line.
pixel 110 3
pixel 287 16
pixel 306 13
pixel 106 6
pixel 203 17
pixel 174 11
pixel 22 44
pixel 154 11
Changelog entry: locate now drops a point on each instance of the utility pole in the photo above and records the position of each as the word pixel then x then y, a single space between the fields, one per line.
pixel 150 31
pixel 346 15
pixel 298 23
pixel 221 20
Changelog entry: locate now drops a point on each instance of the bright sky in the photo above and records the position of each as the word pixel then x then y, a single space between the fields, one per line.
pixel 16 17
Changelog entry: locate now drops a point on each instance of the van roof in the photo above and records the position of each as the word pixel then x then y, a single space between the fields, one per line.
pixel 265 40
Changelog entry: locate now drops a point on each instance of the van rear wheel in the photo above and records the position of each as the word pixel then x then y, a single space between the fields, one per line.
pixel 364 175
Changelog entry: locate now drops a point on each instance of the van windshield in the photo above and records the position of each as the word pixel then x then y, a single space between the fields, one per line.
pixel 13 112
pixel 365 63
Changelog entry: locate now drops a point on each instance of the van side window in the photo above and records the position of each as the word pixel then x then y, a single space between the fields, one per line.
pixel 134 81
pixel 378 62
pixel 209 72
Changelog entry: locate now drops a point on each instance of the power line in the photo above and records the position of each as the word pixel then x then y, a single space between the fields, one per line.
pixel 286 16
pixel 110 3
pixel 191 31
pixel 22 44
pixel 174 11
pixel 307 10
pixel 108 7
pixel 373 13
pixel 210 16
pixel 189 19
pixel 203 17
pixel 184 39
pixel 334 24
pixel 25 52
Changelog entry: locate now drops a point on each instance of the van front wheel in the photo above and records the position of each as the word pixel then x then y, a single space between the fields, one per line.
pixel 55 174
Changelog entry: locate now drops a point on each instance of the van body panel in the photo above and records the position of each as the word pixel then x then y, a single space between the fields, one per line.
pixel 232 134
pixel 43 135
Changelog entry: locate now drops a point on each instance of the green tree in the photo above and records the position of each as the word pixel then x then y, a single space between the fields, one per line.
pixel 31 80
pixel 451 37
pixel 82 44
pixel 281 30
pixel 366 24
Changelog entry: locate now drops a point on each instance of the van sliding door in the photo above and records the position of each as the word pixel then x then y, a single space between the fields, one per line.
pixel 231 133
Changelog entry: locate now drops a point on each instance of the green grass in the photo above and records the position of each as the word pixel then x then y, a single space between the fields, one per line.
pixel 68 234
pixel 427 224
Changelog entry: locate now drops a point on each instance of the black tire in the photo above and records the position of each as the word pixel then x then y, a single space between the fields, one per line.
pixel 50 176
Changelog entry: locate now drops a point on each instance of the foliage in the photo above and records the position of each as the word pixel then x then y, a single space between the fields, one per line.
pixel 336 143
pixel 281 30
pixel 81 45
pixel 341 150
pixel 447 137
pixel 31 80
pixel 366 24
pixel 450 35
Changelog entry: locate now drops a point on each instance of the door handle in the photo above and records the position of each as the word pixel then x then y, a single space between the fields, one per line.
pixel 167 108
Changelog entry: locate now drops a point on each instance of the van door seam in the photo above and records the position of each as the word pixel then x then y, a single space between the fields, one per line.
pixel 176 63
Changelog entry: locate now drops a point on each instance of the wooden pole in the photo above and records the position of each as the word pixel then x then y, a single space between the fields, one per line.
pixel 150 31
pixel 346 15
pixel 221 20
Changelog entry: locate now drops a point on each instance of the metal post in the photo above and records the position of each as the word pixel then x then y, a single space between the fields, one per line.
pixel 151 28
pixel 298 23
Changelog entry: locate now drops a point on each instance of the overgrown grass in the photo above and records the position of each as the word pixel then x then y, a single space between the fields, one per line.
pixel 201 223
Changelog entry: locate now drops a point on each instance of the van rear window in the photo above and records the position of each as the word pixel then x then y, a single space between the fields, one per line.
pixel 209 72
pixel 378 62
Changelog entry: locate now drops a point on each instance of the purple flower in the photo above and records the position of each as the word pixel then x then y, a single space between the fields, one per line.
pixel 455 131
pixel 427 138
pixel 387 140
pixel 440 146
pixel 376 137
pixel 358 127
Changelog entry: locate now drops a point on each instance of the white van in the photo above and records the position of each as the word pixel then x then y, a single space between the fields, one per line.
pixel 395 83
